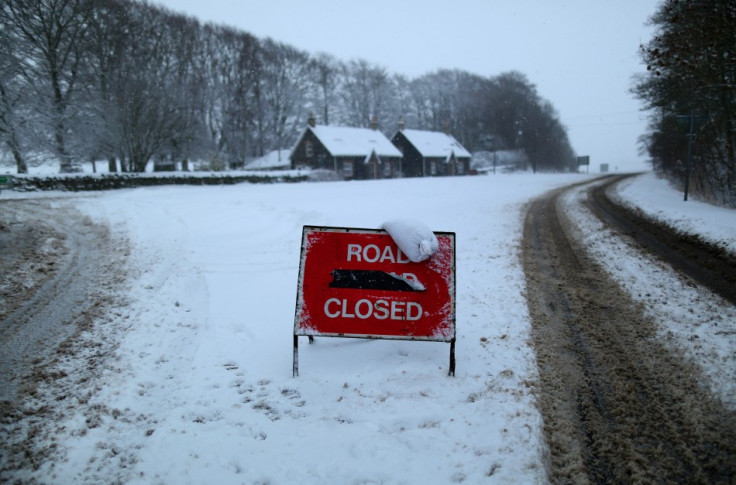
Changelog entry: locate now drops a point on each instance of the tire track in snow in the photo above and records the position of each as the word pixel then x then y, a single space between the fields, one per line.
pixel 618 406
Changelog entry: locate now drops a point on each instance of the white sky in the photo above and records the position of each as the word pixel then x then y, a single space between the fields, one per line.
pixel 581 54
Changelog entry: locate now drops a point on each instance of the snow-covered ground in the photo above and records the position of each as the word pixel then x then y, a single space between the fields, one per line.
pixel 200 389
pixel 659 200
pixel 690 317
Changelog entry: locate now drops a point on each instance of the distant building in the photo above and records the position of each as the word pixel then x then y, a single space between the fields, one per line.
pixel 499 160
pixel 430 153
pixel 274 160
pixel 353 153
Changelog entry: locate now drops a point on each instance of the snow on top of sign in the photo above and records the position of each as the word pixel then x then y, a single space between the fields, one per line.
pixel 435 143
pixel 345 141
pixel 414 239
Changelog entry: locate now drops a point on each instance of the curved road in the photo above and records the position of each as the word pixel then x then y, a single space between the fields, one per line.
pixel 618 406
pixel 709 265
pixel 59 270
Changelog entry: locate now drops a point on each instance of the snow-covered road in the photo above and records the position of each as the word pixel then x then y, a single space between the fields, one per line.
pixel 192 380
pixel 618 402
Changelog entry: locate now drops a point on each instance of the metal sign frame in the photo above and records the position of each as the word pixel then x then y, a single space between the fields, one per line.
pixel 356 283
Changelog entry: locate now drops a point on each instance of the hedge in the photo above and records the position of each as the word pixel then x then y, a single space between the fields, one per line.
pixel 109 181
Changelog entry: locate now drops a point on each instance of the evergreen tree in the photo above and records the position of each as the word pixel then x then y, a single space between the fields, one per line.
pixel 691 71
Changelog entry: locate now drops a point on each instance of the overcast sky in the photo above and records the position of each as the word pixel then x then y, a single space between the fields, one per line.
pixel 580 54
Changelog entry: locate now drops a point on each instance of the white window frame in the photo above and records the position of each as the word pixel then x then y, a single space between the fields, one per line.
pixel 386 168
pixel 347 168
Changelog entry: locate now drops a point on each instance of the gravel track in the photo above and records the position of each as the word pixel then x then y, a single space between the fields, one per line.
pixel 618 406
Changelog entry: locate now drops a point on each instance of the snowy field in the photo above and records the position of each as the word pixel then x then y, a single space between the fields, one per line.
pixel 199 389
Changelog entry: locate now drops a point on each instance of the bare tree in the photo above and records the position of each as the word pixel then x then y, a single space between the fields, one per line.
pixel 49 55
pixel 402 107
pixel 282 89
pixel 232 64
pixel 366 92
pixel 11 97
pixel 326 79
pixel 106 45
pixel 9 126
pixel 148 110
pixel 188 86
pixel 132 82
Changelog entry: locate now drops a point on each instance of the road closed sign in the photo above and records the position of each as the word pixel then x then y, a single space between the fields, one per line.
pixel 358 283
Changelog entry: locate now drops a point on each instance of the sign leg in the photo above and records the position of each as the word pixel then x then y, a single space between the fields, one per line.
pixel 452 358
pixel 295 365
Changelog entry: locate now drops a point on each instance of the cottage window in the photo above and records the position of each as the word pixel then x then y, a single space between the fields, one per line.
pixel 460 167
pixel 347 169
pixel 387 169
pixel 308 149
pixel 433 168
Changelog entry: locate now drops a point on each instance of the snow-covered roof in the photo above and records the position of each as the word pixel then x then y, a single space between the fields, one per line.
pixel 273 160
pixel 435 143
pixel 484 159
pixel 346 141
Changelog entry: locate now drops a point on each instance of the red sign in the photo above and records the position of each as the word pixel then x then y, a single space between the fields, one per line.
pixel 357 283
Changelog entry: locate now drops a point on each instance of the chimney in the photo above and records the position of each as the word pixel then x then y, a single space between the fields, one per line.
pixel 374 123
pixel 446 127
pixel 401 123
pixel 311 121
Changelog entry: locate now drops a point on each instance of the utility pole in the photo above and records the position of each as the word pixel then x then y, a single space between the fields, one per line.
pixel 688 163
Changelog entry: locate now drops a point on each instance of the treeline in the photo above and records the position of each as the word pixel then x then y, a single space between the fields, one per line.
pixel 131 83
pixel 691 76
